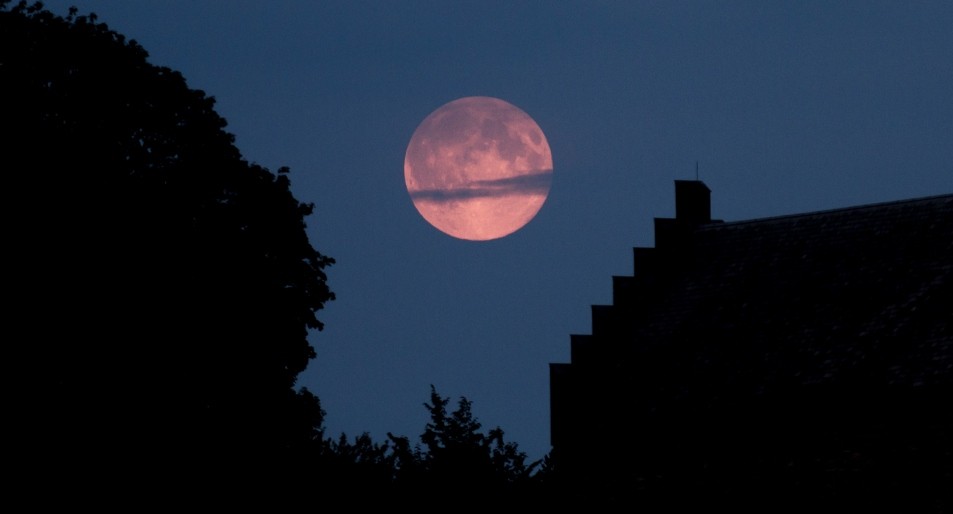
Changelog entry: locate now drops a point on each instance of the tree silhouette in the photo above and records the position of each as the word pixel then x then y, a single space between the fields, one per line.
pixel 459 453
pixel 458 461
pixel 163 286
pixel 454 466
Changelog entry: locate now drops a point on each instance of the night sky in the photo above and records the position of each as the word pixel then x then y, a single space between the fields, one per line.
pixel 786 107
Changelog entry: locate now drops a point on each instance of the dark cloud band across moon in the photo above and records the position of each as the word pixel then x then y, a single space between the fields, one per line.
pixel 530 184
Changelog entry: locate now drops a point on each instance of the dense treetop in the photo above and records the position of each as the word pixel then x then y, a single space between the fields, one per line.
pixel 165 285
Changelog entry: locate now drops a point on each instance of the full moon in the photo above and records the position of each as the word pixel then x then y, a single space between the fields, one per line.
pixel 478 168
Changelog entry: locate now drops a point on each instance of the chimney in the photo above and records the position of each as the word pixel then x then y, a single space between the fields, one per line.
pixel 692 202
pixel 692 208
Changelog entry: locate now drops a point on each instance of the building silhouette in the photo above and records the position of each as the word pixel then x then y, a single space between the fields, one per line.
pixel 792 362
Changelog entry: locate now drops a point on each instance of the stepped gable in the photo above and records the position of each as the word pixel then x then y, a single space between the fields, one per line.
pixel 790 310
pixel 820 291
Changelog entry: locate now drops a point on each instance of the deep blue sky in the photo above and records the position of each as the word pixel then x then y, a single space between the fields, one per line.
pixel 787 107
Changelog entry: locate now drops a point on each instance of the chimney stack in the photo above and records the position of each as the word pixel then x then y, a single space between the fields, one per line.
pixel 692 202
pixel 692 208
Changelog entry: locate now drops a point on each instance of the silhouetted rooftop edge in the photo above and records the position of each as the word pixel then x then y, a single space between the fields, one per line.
pixel 808 356
pixel 836 210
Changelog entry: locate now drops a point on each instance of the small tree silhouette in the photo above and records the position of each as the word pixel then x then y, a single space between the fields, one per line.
pixel 459 459
pixel 454 462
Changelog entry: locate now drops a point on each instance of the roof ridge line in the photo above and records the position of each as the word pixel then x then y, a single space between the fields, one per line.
pixel 722 223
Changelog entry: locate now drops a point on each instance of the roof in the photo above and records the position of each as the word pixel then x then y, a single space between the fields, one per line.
pixel 798 340
pixel 814 295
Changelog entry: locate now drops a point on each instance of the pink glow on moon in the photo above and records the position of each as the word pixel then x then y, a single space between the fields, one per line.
pixel 478 168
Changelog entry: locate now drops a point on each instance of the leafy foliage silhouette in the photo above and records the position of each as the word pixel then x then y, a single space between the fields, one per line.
pixel 164 285
pixel 453 461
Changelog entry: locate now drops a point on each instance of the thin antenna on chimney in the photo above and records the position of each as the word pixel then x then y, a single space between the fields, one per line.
pixel 696 170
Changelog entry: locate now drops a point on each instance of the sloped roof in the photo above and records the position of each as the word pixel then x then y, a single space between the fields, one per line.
pixel 810 297
pixel 807 355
